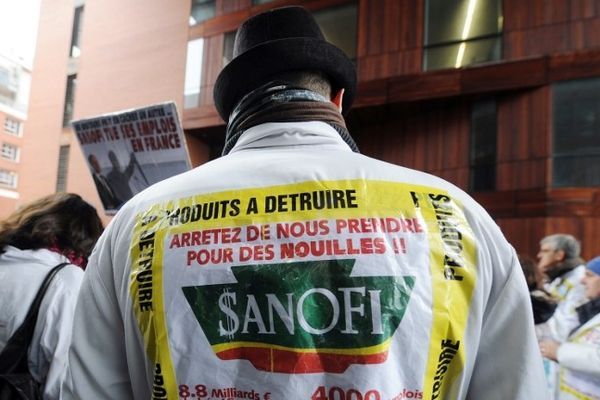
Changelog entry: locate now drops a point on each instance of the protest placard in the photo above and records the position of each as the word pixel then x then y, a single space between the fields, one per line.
pixel 129 150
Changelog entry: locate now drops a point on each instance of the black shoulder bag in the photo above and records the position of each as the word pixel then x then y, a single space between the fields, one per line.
pixel 16 381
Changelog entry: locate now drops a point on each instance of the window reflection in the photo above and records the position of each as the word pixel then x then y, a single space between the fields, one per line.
pixel 76 33
pixel 193 73
pixel 339 27
pixel 576 127
pixel 461 32
pixel 201 11
pixel 228 41
pixel 483 146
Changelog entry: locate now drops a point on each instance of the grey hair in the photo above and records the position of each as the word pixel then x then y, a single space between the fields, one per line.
pixel 564 242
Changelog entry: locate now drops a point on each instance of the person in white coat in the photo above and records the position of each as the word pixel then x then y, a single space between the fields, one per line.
pixel 579 356
pixel 559 260
pixel 294 267
pixel 47 232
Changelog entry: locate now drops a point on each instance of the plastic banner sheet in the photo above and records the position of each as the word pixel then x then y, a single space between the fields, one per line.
pixel 312 288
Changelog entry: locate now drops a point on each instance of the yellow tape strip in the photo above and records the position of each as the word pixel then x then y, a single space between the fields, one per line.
pixel 364 351
pixel 451 290
pixel 147 297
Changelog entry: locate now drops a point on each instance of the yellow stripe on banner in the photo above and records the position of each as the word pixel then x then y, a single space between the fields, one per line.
pixel 363 351
pixel 453 276
pixel 146 289
pixel 344 199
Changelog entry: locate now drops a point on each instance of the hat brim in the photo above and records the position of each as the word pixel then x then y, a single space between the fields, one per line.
pixel 252 68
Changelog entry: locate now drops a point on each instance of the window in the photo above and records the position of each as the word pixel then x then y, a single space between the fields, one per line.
pixel 228 42
pixel 483 146
pixel 576 129
pixel 339 27
pixel 76 33
pixel 201 11
pixel 461 32
pixel 69 99
pixel 10 152
pixel 12 126
pixel 193 73
pixel 63 168
pixel 4 77
pixel 8 178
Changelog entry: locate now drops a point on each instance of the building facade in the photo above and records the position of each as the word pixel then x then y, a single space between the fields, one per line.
pixel 15 80
pixel 500 97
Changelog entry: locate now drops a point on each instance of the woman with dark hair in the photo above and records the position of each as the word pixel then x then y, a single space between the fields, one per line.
pixel 52 230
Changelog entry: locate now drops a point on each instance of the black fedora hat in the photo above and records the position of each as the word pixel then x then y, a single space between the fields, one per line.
pixel 276 41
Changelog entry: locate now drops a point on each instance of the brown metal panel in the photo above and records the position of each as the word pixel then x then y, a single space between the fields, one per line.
pixel 554 39
pixel 589 239
pixel 578 38
pixel 530 202
pixel 375 31
pixel 592 32
pixel 199 117
pixel 412 24
pixel 435 84
pixel 583 9
pixel 389 25
pixel 574 65
pixel 410 61
pixel 505 176
pixel 509 75
pixel 513 45
pixel 516 15
pixel 555 11
pixel 540 127
pixel 371 93
pixel 369 67
pixel 229 6
pixel 362 29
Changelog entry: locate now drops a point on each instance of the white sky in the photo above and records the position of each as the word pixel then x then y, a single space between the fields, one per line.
pixel 18 28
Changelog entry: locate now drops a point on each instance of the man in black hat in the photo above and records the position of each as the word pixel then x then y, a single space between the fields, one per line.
pixel 294 267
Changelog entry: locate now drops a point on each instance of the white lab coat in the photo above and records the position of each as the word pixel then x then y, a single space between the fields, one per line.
pixel 21 274
pixel 466 332
pixel 569 292
pixel 579 361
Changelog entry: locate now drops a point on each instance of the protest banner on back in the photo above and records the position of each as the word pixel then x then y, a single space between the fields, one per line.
pixel 129 150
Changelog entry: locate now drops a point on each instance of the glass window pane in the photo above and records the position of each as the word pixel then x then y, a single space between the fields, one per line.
pixel 456 20
pixel 577 117
pixel 76 33
pixel 483 145
pixel 12 126
pixel 457 55
pixel 483 178
pixel 201 11
pixel 63 168
pixel 10 152
pixel 576 128
pixel 339 27
pixel 69 99
pixel 8 178
pixel 193 73
pixel 228 41
pixel 569 171
pixel 461 32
